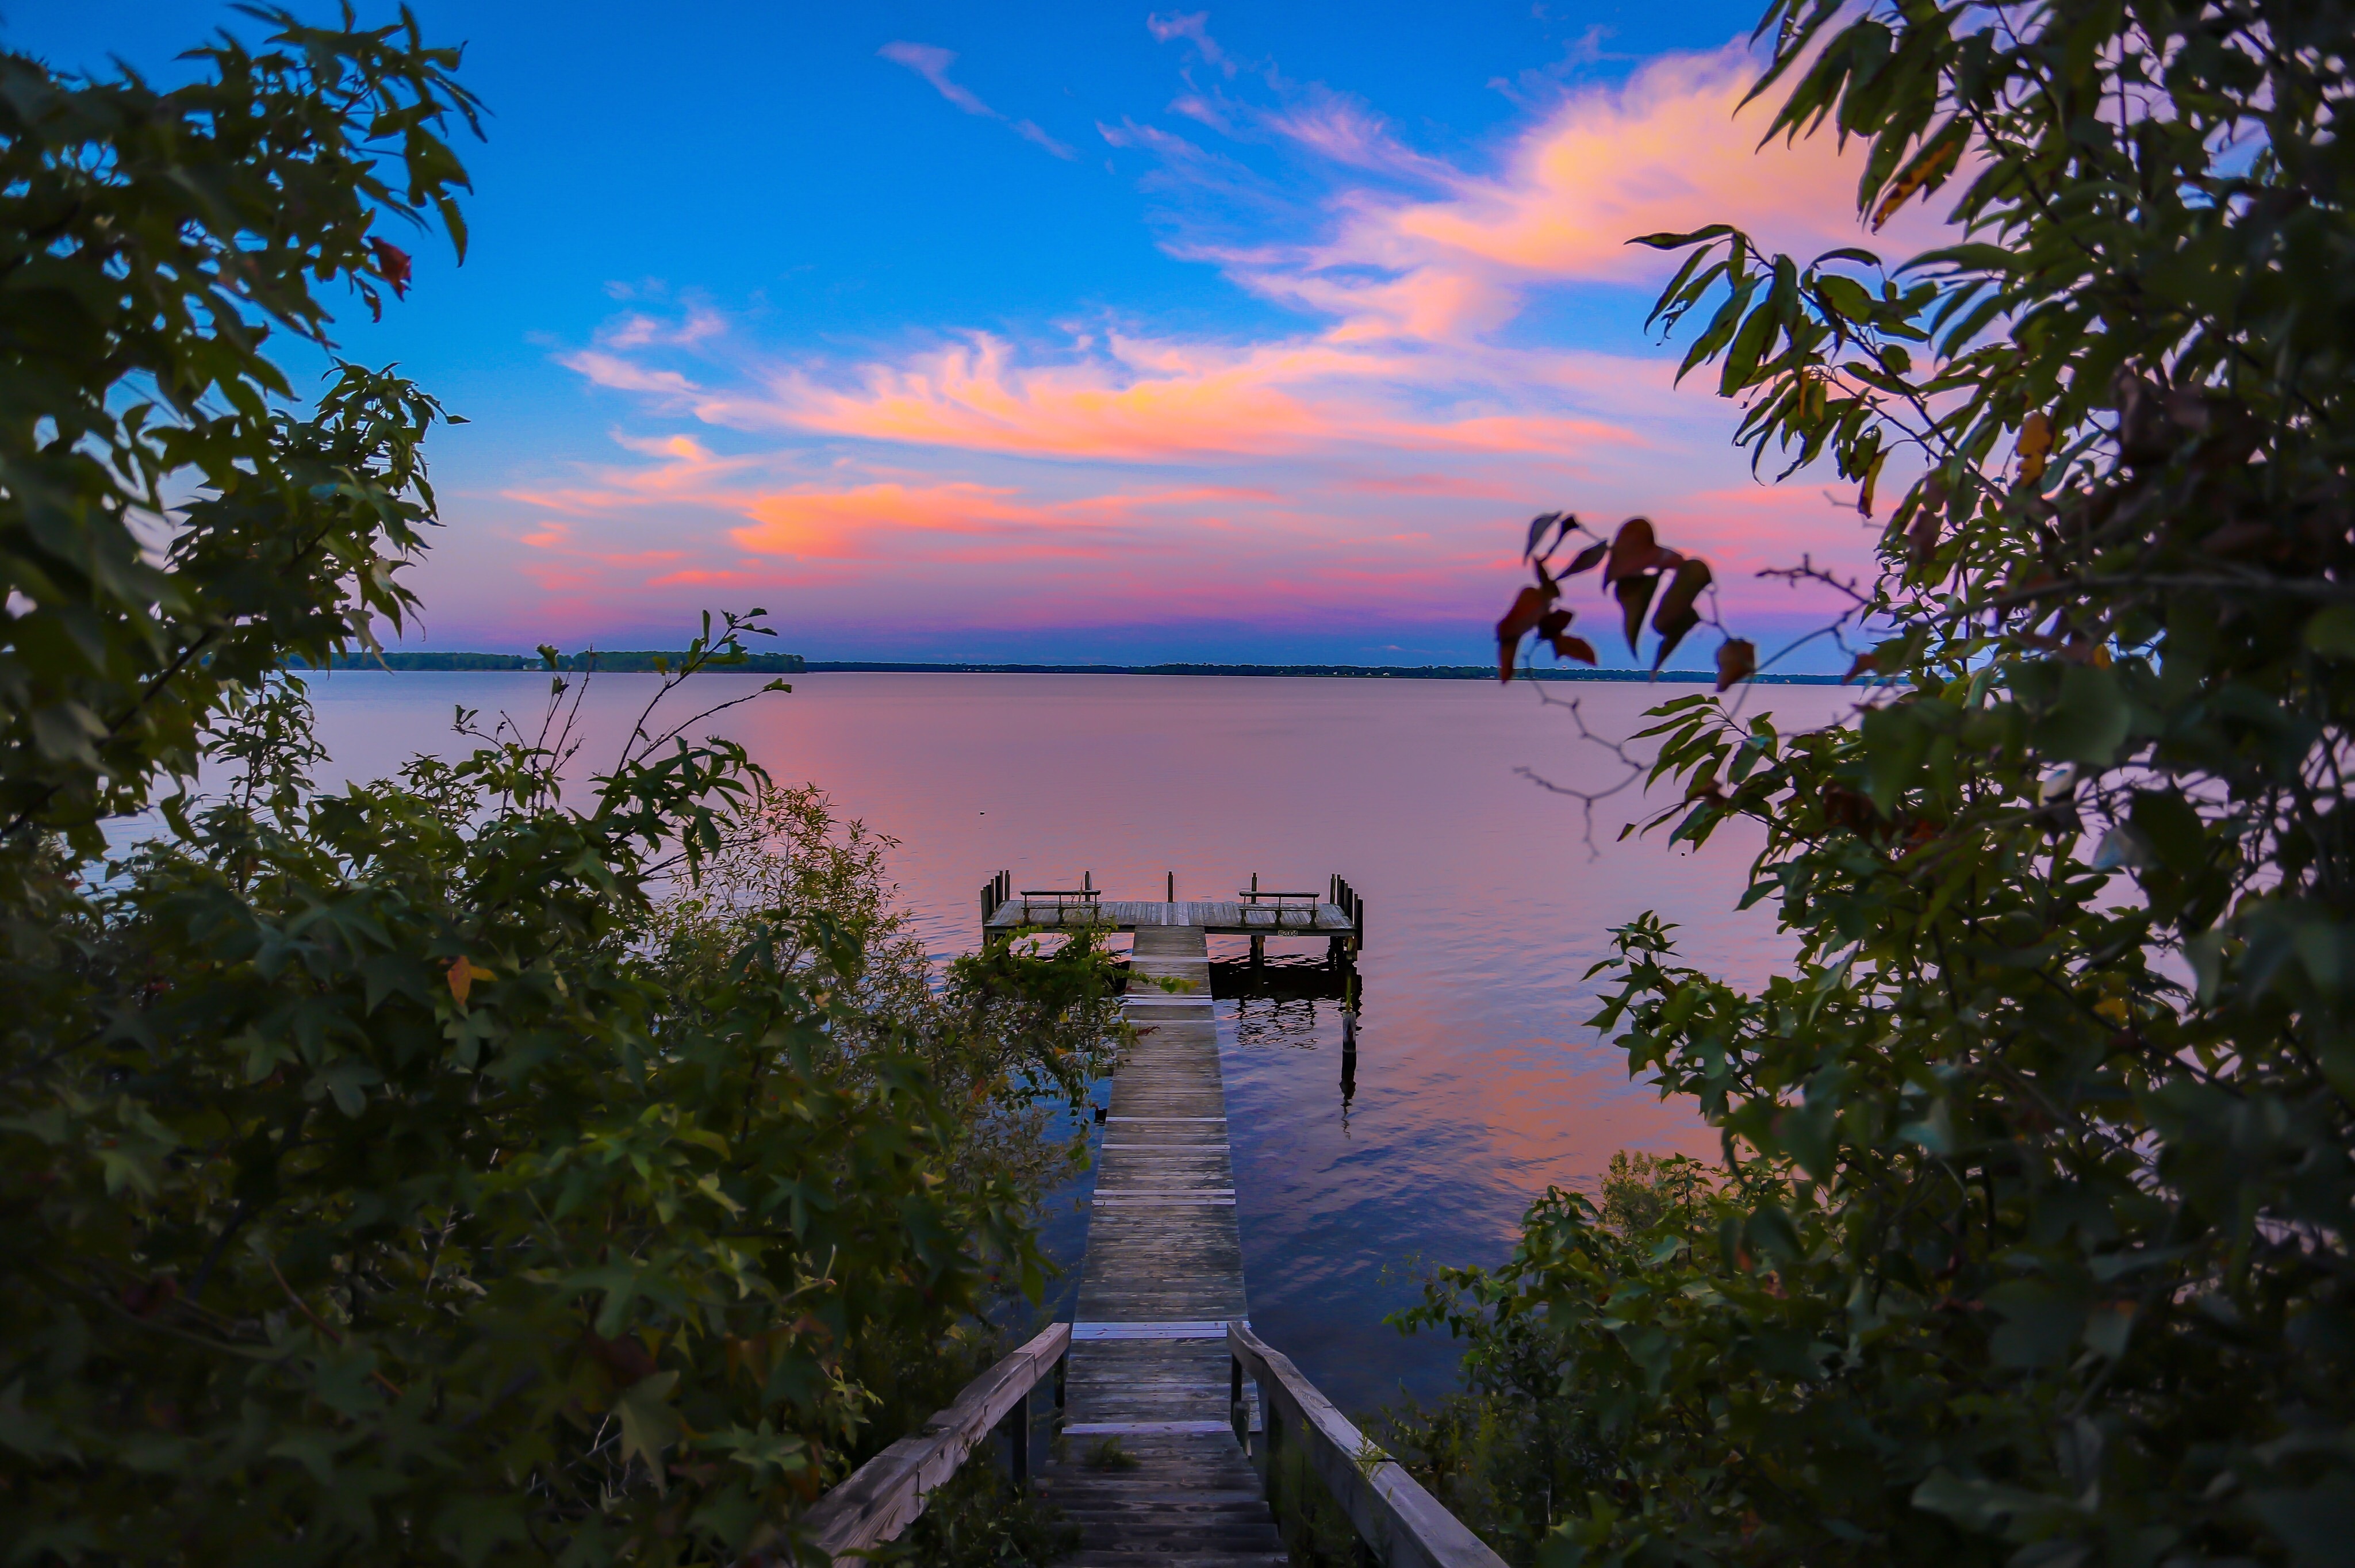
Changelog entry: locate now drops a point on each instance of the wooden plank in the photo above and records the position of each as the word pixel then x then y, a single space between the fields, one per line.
pixel 1141 1428
pixel 1401 1523
pixel 1162 1275
pixel 883 1496
pixel 1197 1328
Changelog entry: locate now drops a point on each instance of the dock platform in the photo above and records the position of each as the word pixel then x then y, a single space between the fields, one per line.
pixel 1338 914
pixel 1229 917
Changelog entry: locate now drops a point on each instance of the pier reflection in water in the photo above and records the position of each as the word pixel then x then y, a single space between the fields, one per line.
pixel 1277 1004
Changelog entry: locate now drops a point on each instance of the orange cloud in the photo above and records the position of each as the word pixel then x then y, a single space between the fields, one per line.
pixel 842 522
pixel 1377 454
pixel 1672 150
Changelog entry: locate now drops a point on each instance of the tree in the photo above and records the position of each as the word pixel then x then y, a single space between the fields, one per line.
pixel 443 1169
pixel 2037 1248
pixel 152 242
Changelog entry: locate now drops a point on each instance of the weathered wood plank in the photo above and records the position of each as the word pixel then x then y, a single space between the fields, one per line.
pixel 883 1496
pixel 1403 1524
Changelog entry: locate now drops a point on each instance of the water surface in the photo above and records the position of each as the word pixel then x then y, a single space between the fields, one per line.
pixel 1477 1081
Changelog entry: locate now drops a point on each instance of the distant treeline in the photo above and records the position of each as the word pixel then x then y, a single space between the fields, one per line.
pixel 626 662
pixel 1351 671
pixel 620 661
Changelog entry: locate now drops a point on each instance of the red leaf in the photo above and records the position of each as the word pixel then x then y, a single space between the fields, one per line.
pixel 1555 623
pixel 1528 608
pixel 1692 576
pixel 1586 559
pixel 1864 665
pixel 626 1361
pixel 1634 595
pixel 1676 615
pixel 1526 611
pixel 1577 648
pixel 1928 514
pixel 393 261
pixel 1737 657
pixel 1632 551
pixel 1871 482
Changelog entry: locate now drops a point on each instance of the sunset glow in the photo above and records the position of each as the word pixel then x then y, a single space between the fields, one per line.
pixel 1196 336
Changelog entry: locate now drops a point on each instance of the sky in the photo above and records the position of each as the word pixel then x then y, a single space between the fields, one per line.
pixel 1073 332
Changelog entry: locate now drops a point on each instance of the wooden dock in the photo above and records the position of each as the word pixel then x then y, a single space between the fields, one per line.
pixel 1174 1412
pixel 1216 917
pixel 1338 914
pixel 1149 1366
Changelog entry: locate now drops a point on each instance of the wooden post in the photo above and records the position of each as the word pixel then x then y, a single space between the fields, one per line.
pixel 1173 887
pixel 1272 1425
pixel 1238 1412
pixel 1348 1038
pixel 1017 1440
pixel 1062 1379
pixel 1259 951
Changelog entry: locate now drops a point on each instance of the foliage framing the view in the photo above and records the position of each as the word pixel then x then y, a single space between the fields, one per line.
pixel 150 242
pixel 434 1171
pixel 2036 1244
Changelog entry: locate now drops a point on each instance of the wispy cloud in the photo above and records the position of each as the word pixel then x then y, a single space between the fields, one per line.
pixel 931 62
pixel 1365 461
pixel 1194 28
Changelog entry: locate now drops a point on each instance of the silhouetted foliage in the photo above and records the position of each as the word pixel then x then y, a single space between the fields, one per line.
pixel 453 1167
pixel 2035 1248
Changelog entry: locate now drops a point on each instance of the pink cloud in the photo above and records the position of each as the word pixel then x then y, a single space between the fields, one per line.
pixel 843 522
pixel 933 63
pixel 623 375
pixel 1667 152
pixel 1348 133
pixel 1139 400
pixel 1195 28
pixel 1373 461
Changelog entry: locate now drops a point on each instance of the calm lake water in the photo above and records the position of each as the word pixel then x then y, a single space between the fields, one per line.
pixel 1477 1082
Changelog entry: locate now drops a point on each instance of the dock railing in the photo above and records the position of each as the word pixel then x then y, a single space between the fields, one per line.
pixel 885 1495
pixel 1398 1523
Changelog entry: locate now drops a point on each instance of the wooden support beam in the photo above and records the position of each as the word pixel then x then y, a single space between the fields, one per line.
pixel 1401 1524
pixel 883 1496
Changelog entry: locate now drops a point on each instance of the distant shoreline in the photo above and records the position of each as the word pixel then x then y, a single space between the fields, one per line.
pixel 795 664
pixel 1324 671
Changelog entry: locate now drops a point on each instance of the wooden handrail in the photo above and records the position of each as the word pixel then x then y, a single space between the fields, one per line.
pixel 883 1496
pixel 1401 1523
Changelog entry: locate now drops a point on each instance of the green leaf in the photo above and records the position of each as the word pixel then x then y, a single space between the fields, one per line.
pixel 2331 632
pixel 2315 1523
pixel 2089 720
pixel 2041 1323
pixel 649 1426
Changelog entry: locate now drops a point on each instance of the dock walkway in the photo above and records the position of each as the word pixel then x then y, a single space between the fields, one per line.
pixel 1149 1368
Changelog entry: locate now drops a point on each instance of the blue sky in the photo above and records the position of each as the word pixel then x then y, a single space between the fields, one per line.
pixel 1064 331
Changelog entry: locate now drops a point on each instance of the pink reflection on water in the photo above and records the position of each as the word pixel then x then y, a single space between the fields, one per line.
pixel 1477 1082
